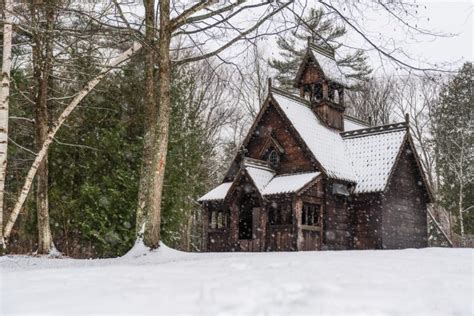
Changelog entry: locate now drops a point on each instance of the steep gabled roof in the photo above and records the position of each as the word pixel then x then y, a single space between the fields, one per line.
pixel 326 145
pixel 373 153
pixel 265 181
pixel 260 174
pixel 324 59
pixel 366 156
pixel 289 183
pixel 216 194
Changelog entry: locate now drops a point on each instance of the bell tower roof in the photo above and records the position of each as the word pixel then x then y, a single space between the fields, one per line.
pixel 322 60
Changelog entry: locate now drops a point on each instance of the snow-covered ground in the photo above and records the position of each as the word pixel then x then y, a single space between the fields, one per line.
pixel 166 282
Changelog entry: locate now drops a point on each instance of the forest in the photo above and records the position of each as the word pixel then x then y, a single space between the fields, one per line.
pixel 116 117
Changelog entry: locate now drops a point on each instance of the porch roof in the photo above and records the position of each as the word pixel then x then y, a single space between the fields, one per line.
pixel 268 183
pixel 289 183
pixel 218 193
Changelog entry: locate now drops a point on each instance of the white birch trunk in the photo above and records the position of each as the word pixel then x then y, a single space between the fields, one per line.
pixel 4 100
pixel 56 126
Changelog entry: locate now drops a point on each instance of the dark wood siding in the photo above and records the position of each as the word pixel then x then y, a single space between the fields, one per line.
pixel 404 218
pixel 366 221
pixel 294 158
pixel 336 221
pixel 215 239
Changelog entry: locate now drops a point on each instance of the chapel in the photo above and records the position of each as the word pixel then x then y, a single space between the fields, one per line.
pixel 310 177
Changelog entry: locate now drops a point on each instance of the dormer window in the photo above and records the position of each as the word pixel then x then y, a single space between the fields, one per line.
pixel 273 158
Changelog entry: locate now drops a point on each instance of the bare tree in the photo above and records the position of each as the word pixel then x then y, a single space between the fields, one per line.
pixel 417 97
pixel 42 60
pixel 373 102
pixel 149 207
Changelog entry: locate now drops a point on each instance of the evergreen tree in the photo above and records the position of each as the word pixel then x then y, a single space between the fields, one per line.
pixel 322 30
pixel 453 144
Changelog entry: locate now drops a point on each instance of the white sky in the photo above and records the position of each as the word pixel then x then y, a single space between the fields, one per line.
pixel 452 18
pixel 449 17
pixel 448 53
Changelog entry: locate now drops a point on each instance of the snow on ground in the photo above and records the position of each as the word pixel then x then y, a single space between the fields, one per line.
pixel 431 281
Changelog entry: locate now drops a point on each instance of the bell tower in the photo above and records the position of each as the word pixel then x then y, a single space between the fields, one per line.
pixel 321 82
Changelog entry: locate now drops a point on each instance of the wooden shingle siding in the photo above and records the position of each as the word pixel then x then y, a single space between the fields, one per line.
pixel 404 218
pixel 294 159
pixel 366 221
pixel 336 221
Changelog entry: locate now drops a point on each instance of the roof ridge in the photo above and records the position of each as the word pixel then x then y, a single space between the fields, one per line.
pixel 356 119
pixel 295 174
pixel 326 51
pixel 290 95
pixel 256 163
pixel 381 129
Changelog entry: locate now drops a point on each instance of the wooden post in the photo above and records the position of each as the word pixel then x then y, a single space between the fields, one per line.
pixel 205 226
pixel 325 90
pixel 297 206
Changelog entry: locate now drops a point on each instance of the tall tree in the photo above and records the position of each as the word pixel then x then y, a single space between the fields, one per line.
pixel 373 101
pixel 43 15
pixel 152 186
pixel 453 143
pixel 4 103
pixel 321 29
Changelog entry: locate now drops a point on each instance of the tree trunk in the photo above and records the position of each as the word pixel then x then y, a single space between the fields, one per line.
pixel 461 190
pixel 4 101
pixel 42 61
pixel 160 145
pixel 55 127
pixel 151 118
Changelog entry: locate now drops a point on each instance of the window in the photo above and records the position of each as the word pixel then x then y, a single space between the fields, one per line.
pixel 218 220
pixel 273 158
pixel 310 214
pixel 336 96
pixel 317 93
pixel 280 214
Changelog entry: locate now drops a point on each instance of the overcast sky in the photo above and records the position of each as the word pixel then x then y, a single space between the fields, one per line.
pixel 452 19
pixel 448 17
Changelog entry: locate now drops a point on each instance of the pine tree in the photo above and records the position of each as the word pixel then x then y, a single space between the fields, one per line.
pixel 322 31
pixel 453 144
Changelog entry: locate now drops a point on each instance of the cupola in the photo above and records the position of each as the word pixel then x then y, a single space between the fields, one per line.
pixel 321 82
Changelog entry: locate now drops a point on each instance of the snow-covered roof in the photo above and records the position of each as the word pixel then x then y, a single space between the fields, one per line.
pixel 261 175
pixel 351 124
pixel 289 183
pixel 218 193
pixel 328 65
pixel 325 144
pixel 267 183
pixel 373 156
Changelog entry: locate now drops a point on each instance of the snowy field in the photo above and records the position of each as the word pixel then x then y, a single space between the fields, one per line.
pixel 166 282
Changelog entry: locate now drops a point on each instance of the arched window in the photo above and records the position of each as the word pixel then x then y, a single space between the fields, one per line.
pixel 273 158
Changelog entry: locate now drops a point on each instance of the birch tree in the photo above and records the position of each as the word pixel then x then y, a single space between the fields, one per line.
pixel 4 95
